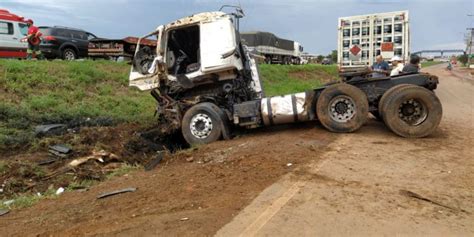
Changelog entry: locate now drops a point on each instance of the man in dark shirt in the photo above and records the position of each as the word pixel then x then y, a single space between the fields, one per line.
pixel 413 66
pixel 380 68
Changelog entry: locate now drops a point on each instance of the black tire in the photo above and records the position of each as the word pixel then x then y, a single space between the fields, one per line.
pixel 202 124
pixel 69 54
pixel 387 94
pixel 412 112
pixel 342 108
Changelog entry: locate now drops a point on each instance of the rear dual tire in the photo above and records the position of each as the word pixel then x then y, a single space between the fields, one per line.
pixel 410 111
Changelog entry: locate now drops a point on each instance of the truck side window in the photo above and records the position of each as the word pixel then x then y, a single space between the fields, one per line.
pixel 184 45
pixel 6 28
pixel 23 28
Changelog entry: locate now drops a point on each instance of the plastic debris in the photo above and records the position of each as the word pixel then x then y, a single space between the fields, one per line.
pixel 59 191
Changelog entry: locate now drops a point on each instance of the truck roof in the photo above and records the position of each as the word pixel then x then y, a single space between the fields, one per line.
pixel 200 17
pixel 6 15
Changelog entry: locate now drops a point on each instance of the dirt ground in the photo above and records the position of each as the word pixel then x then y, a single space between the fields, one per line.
pixel 287 181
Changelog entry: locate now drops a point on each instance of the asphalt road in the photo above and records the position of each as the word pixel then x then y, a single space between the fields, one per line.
pixel 359 186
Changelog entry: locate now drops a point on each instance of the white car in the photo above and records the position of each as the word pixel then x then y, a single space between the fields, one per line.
pixel 13 28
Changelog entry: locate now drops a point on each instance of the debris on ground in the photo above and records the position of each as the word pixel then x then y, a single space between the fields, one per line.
pixel 153 163
pixel 101 156
pixel 108 194
pixel 60 190
pixel 47 161
pixel 184 219
pixel 50 130
pixel 60 150
pixel 419 197
pixel 4 212
pixel 8 202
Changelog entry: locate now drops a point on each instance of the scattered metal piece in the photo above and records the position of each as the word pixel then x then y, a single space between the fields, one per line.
pixel 153 163
pixel 61 148
pixel 50 129
pixel 419 197
pixel 47 162
pixel 4 212
pixel 184 219
pixel 108 194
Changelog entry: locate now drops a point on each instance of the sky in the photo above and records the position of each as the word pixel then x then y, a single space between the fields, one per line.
pixel 435 24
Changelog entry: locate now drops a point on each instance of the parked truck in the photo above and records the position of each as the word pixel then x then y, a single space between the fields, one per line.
pixel 361 38
pixel 206 84
pixel 117 48
pixel 274 49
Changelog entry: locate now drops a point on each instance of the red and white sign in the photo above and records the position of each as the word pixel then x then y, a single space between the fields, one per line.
pixel 355 52
pixel 386 50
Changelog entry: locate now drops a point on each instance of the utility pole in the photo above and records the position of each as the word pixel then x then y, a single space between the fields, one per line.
pixel 469 43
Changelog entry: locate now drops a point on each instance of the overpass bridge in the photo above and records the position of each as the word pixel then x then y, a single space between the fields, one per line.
pixel 440 51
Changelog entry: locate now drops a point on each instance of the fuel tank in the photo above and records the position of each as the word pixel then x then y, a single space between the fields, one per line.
pixel 286 109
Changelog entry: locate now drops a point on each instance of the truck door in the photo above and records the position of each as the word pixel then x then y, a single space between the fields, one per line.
pixel 10 36
pixel 218 45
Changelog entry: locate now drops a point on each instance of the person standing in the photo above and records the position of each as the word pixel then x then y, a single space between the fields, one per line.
pixel 34 40
pixel 413 66
pixel 397 66
pixel 380 68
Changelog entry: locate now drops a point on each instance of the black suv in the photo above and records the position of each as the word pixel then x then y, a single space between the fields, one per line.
pixel 64 42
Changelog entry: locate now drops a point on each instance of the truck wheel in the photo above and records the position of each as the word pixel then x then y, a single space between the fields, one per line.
pixel 412 111
pixel 387 94
pixel 202 124
pixel 342 108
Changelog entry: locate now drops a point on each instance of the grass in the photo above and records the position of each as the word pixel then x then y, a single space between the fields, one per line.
pixel 46 92
pixel 429 63
pixel 124 169
pixel 42 92
pixel 282 79
pixel 24 201
pixel 3 167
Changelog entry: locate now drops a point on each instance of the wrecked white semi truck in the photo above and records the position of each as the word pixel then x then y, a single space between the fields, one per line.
pixel 205 84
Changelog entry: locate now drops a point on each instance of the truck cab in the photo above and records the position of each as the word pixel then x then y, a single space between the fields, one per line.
pixel 206 83
pixel 12 29
pixel 199 49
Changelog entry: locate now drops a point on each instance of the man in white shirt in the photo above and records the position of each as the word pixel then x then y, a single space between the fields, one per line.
pixel 397 66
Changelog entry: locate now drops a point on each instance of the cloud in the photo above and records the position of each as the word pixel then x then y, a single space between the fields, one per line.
pixel 434 24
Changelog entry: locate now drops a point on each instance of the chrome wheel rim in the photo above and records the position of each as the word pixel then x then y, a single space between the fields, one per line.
pixel 201 125
pixel 69 55
pixel 342 108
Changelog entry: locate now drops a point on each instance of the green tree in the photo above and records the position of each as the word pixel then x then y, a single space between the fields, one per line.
pixel 463 59
pixel 333 56
pixel 320 58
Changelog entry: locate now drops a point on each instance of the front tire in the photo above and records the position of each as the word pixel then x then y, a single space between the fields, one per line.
pixel 412 112
pixel 202 124
pixel 342 108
